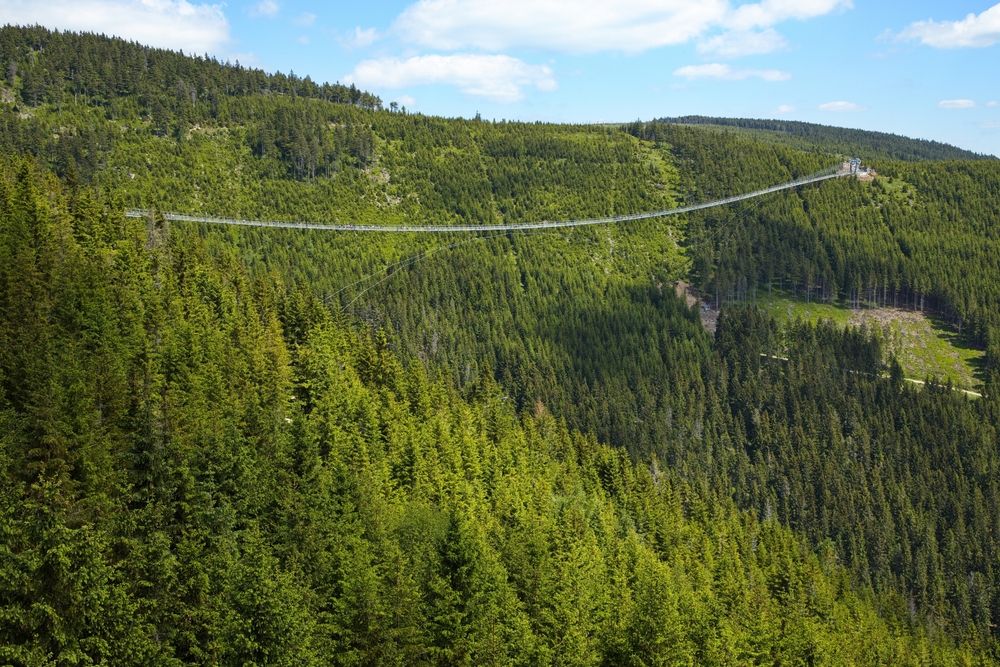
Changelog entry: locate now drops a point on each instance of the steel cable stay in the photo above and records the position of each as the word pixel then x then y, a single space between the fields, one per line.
pixel 482 231
pixel 393 269
pixel 834 172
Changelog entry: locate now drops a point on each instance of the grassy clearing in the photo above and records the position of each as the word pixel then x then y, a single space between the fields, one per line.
pixel 787 309
pixel 925 348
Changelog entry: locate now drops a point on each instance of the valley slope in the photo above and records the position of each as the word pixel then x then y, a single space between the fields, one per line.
pixel 228 445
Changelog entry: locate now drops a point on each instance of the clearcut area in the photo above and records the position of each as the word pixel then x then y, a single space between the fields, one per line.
pixel 925 347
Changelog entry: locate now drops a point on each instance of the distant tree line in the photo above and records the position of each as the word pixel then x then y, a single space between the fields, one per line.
pixel 867 144
pixel 52 67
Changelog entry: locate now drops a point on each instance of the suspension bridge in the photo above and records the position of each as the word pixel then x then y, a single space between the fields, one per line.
pixel 833 172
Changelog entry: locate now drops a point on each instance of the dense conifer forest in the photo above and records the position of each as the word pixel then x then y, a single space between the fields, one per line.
pixel 225 445
pixel 838 139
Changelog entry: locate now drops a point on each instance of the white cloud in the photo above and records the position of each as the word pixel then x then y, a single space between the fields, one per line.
pixel 305 19
pixel 589 26
pixel 992 103
pixel 727 73
pixel 585 26
pixel 497 77
pixel 771 12
pixel 840 105
pixel 360 38
pixel 784 108
pixel 194 27
pixel 975 30
pixel 406 101
pixel 265 8
pixel 303 39
pixel 956 104
pixel 739 43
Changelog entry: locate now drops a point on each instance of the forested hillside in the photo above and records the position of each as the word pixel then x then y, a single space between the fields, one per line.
pixel 881 145
pixel 230 445
pixel 923 234
pixel 202 465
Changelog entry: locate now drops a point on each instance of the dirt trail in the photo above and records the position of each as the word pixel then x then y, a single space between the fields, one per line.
pixel 967 392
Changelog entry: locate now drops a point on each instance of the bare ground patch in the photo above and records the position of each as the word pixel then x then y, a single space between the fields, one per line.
pixel 924 348
pixel 709 316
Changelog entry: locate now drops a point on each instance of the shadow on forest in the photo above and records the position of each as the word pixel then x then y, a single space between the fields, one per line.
pixel 637 358
pixel 635 325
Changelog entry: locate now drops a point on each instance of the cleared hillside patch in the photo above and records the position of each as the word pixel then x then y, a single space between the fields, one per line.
pixel 925 348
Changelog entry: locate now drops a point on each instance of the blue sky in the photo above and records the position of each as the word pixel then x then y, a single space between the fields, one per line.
pixel 919 68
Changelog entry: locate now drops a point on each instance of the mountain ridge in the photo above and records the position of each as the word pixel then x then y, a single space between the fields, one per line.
pixel 849 141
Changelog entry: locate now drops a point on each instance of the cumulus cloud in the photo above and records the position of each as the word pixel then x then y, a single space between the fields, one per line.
pixel 592 26
pixel 739 43
pixel 784 108
pixel 992 103
pixel 956 104
pixel 727 73
pixel 360 38
pixel 585 26
pixel 305 19
pixel 588 26
pixel 497 77
pixel 771 12
pixel 975 30
pixel 265 8
pixel 195 27
pixel 840 105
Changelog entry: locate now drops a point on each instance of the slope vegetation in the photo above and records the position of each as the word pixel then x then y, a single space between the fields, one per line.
pixel 529 349
pixel 198 467
pixel 846 141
